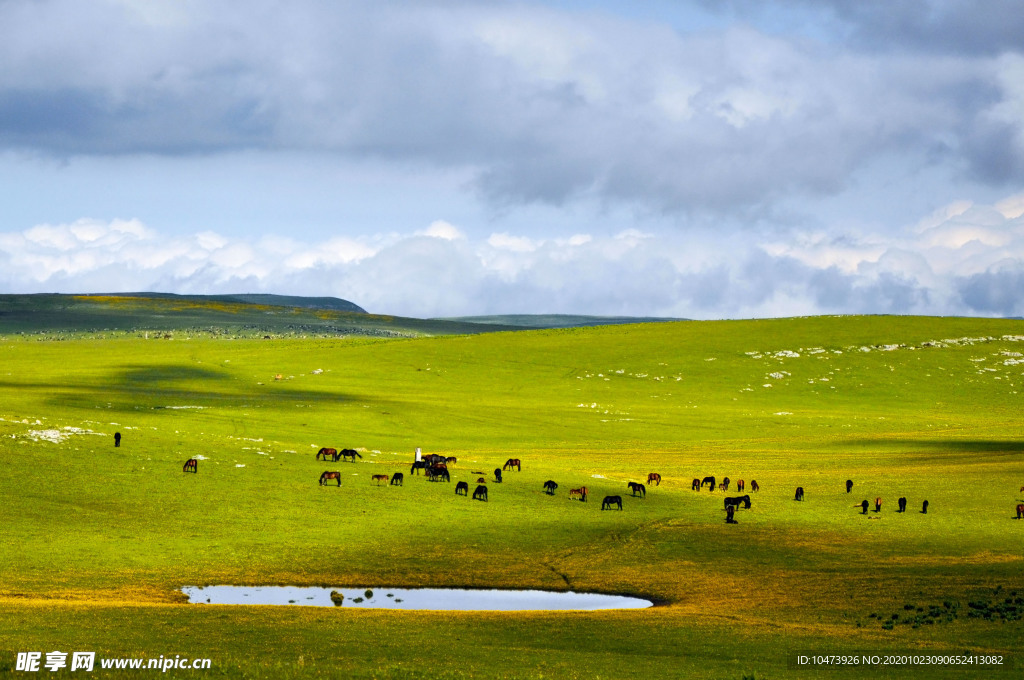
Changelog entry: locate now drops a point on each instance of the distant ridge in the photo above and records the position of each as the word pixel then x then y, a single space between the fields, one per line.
pixel 333 303
pixel 556 320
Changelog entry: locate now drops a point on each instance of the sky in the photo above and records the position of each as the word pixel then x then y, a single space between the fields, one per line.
pixel 701 159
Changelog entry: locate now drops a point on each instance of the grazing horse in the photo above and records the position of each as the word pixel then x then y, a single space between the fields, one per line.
pixel 329 475
pixel 638 489
pixel 452 460
pixel 695 486
pixel 739 485
pixel 513 463
pixel 435 472
pixel 710 481
pixel 398 479
pixel 480 494
pixel 735 501
pixel 549 487
pixel 497 475
pixel 849 485
pixel 434 458
pixel 462 489
pixel 730 512
pixel 117 439
pixel 800 494
pixel 481 480
pixel 654 477
pixel 1020 511
pixel 863 505
pixel 902 502
pixel 325 452
pixel 609 501
pixel 725 484
pixel 580 493
pixel 753 485
pixel 924 508
pixel 191 464
pixel 349 453
pixel 417 466
pixel 379 479
pixel 878 505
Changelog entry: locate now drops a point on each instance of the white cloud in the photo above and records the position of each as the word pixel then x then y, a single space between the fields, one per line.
pixel 443 230
pixel 971 262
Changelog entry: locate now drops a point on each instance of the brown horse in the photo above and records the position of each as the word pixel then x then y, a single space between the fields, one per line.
pixel 878 505
pixel 379 479
pixel 739 485
pixel 580 493
pixel 654 477
pixel 1020 511
pixel 452 460
pixel 325 452
pixel 191 465
pixel 513 463
pixel 753 485
pixel 695 486
pixel 329 475
pixel 638 489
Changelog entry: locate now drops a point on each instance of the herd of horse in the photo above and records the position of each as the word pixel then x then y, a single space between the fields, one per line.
pixel 435 468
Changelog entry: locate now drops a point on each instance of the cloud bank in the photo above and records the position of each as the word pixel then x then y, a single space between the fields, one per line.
pixel 542 105
pixel 965 259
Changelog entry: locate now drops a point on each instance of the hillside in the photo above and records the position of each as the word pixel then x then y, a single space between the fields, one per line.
pixel 56 315
pixel 536 321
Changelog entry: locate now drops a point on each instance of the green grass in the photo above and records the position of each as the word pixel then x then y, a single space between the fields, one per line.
pixel 98 540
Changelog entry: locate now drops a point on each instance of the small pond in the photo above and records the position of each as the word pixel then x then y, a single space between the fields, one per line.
pixel 412 598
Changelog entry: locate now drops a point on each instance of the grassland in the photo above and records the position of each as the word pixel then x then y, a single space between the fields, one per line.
pixel 97 540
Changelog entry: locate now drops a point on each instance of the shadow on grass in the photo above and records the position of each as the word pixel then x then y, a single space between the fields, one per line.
pixel 944 446
pixel 163 386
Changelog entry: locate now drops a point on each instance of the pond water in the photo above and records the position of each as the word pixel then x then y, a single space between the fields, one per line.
pixel 412 598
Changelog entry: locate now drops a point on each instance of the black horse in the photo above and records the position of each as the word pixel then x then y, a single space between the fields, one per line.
pixel 695 486
pixel 480 494
pixel 549 487
pixel 849 485
pixel 398 479
pixel 735 501
pixel 753 485
pixel 863 506
pixel 710 481
pixel 436 472
pixel 730 513
pixel 800 494
pixel 497 475
pixel 462 489
pixel 609 501
pixel 417 466
pixel 117 439
pixel 346 454
pixel 902 502
pixel 638 489
pixel 725 484
pixel 191 465
pixel 924 508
